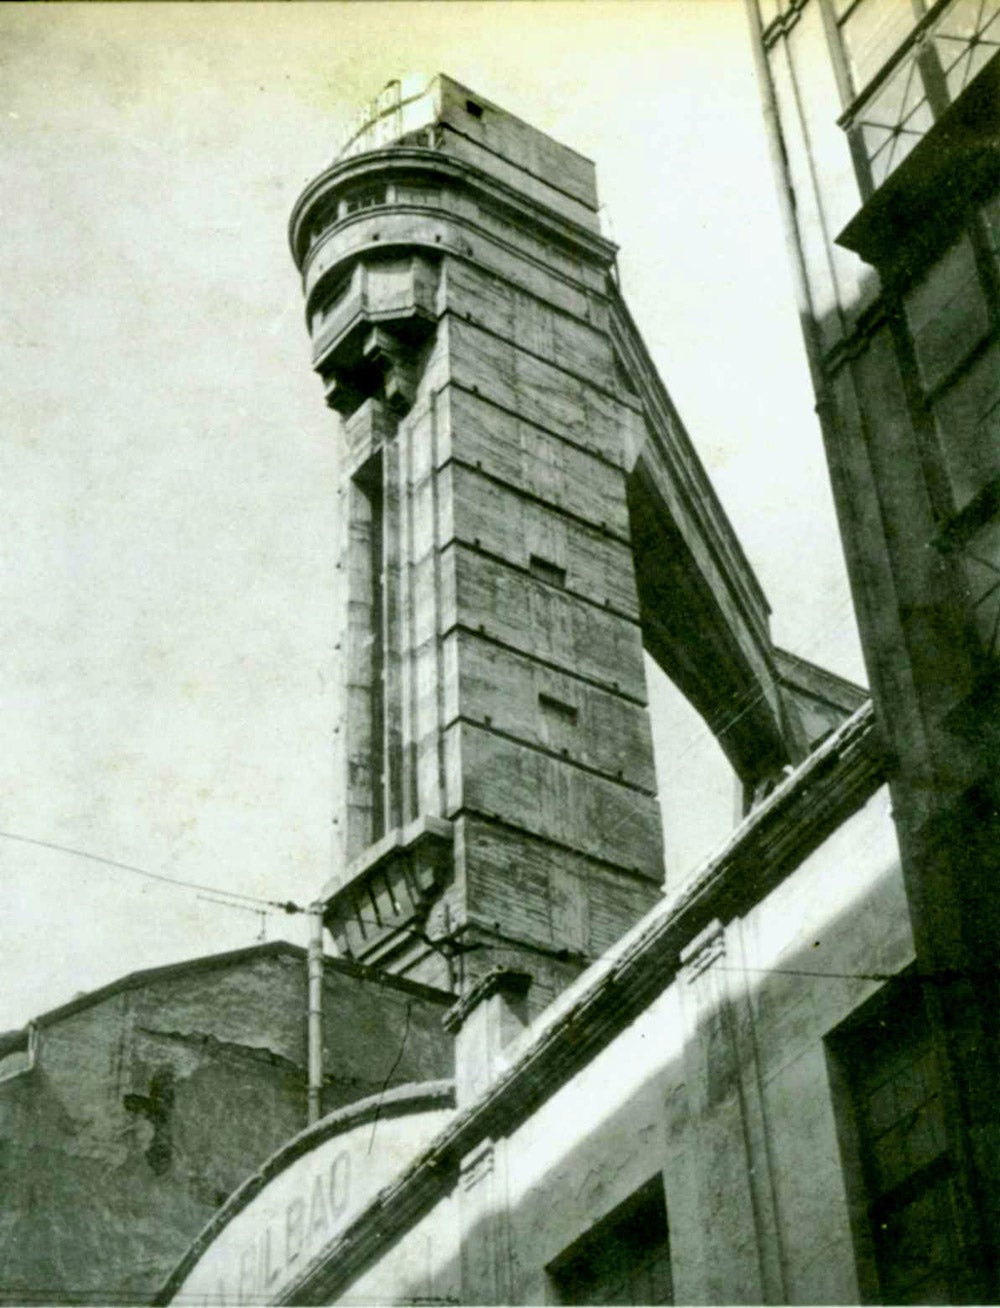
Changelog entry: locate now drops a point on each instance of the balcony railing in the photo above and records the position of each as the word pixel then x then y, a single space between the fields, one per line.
pixel 939 59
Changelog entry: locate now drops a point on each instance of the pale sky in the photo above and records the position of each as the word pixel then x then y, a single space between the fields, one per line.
pixel 168 463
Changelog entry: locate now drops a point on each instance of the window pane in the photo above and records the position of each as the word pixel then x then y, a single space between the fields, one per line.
pixel 873 31
pixel 893 1073
pixel 964 19
pixel 947 314
pixel 965 38
pixel 982 569
pixel 968 422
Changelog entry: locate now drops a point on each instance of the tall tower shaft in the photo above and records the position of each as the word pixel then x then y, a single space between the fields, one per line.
pixel 520 511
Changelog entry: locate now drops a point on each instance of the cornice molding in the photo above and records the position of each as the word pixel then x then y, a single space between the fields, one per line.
pixel 394 160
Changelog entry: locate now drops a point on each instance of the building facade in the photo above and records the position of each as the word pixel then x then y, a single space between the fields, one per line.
pixel 539 1078
pixel 680 1125
pixel 885 121
pixel 712 1097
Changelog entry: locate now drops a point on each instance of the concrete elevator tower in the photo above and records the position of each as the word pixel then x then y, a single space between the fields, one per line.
pixel 520 513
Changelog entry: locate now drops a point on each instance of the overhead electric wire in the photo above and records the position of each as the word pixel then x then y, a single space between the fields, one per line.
pixel 746 702
pixel 287 907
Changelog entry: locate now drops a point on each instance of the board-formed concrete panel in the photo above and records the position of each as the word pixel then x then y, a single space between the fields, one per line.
pixel 527 515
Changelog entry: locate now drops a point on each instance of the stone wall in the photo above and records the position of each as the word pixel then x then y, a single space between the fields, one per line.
pixel 151 1100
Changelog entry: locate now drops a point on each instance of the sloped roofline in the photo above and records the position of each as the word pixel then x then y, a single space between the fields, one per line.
pixel 207 963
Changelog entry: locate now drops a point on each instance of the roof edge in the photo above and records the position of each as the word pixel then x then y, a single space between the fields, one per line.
pixel 210 962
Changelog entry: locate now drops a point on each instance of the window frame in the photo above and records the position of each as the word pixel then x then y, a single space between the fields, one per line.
pixel 936 95
pixel 649 1201
pixel 868 1205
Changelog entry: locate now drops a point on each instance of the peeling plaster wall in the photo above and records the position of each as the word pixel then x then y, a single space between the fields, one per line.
pixel 147 1107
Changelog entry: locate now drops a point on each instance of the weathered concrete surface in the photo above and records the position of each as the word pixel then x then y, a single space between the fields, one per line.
pixel 151 1100
pixel 521 514
pixel 904 346
pixel 718 1089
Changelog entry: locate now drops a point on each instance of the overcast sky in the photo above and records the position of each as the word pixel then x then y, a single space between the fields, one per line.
pixel 168 463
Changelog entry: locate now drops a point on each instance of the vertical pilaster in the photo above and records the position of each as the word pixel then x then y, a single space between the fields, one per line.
pixel 484 1225
pixel 722 1133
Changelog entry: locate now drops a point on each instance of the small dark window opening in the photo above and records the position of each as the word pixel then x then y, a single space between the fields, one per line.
pixel 622 377
pixel 475 109
pixel 369 198
pixel 623 1259
pixel 545 570
pixel 558 708
pixel 368 594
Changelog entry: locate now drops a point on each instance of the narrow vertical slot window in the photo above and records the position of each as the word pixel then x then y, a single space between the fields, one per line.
pixel 368 603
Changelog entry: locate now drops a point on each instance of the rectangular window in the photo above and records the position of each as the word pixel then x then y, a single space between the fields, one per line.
pixel 558 709
pixel 951 313
pixel 968 425
pixel 895 1150
pixel 369 197
pixel 981 563
pixel 947 314
pixel 623 1259
pixel 872 31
